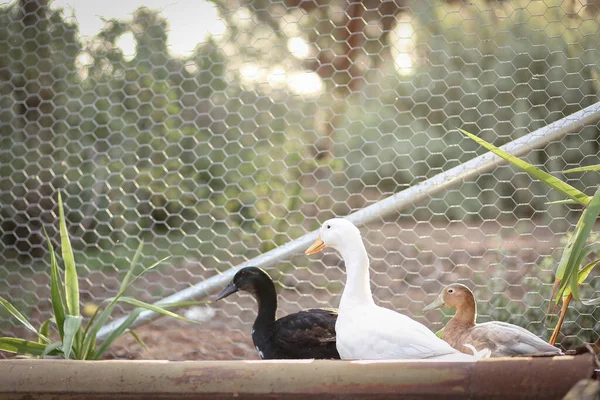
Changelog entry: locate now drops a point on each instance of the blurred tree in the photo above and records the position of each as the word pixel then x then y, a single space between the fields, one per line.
pixel 38 51
pixel 158 144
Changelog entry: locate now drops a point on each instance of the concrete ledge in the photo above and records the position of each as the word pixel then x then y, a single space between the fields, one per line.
pixel 501 378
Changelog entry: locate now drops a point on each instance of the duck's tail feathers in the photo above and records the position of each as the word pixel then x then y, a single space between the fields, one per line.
pixel 479 354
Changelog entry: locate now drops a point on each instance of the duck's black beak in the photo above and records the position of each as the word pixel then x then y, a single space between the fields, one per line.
pixel 229 289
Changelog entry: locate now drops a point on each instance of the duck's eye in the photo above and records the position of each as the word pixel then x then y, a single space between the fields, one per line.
pixel 328 226
pixel 450 291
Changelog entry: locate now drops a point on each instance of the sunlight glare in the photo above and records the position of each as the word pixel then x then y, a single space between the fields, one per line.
pixel 250 73
pixel 401 39
pixel 305 83
pixel 298 47
pixel 404 64
pixel 126 42
pixel 82 62
pixel 277 77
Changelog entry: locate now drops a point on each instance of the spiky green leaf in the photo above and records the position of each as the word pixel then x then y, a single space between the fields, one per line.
pixel 71 279
pixel 583 169
pixel 21 318
pixel 566 255
pixel 581 276
pixel 57 295
pixel 537 173
pixel 181 304
pixel 136 277
pixel 92 332
pixel 153 307
pixel 71 327
pixel 89 353
pixel 568 201
pixel 117 332
pixel 22 346
pixel 134 261
pixel 137 339
pixel 577 251
pixel 44 330
pixel 51 348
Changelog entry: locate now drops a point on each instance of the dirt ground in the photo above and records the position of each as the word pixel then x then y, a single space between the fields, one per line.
pixel 409 265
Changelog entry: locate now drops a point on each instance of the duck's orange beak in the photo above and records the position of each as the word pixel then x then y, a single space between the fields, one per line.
pixel 316 247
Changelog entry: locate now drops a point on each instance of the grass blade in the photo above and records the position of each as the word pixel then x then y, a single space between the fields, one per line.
pixel 71 280
pixel 89 353
pixel 568 201
pixel 180 304
pixel 22 346
pixel 45 330
pixel 52 347
pixel 103 318
pixel 72 326
pixel 152 307
pixel 136 277
pixel 138 339
pixel 554 290
pixel 134 261
pixel 117 332
pixel 588 219
pixel 592 248
pixel 91 333
pixel 130 319
pixel 57 296
pixel 583 169
pixel 78 344
pixel 582 276
pixel 21 318
pixel 566 255
pixel 91 321
pixel 537 173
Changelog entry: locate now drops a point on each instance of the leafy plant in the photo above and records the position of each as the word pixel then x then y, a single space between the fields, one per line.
pixel 572 269
pixel 78 341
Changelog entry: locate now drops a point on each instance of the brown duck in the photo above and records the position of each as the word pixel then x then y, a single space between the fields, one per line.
pixel 501 338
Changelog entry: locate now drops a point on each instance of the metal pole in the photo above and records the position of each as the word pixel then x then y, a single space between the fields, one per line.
pixel 390 205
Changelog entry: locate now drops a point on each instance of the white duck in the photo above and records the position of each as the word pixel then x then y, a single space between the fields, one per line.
pixel 364 330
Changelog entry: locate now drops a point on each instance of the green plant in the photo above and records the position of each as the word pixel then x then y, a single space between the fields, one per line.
pixel 78 341
pixel 573 267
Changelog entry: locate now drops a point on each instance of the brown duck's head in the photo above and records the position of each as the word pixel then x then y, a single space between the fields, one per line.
pixel 455 295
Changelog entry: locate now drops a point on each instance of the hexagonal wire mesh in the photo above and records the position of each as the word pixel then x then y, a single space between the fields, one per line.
pixel 285 114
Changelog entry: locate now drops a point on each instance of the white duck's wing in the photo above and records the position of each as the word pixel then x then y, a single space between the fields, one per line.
pixel 396 336
pixel 510 340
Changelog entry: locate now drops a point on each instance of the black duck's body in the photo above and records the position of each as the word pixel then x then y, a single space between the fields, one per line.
pixel 303 335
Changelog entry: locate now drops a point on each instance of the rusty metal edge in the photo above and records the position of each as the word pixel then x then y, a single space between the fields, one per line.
pixel 515 378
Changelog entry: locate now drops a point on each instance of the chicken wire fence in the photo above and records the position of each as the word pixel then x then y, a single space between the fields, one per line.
pixel 278 116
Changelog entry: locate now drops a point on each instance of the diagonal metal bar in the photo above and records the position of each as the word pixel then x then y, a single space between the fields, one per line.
pixel 390 205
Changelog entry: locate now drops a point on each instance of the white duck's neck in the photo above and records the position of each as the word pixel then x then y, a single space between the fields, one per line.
pixel 358 284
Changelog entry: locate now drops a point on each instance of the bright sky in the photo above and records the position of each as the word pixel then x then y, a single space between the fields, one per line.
pixel 189 20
